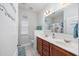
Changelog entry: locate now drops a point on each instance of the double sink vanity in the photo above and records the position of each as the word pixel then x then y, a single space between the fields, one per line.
pixel 60 45
pixel 59 33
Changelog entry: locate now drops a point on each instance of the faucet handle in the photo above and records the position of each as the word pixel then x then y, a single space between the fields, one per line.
pixel 53 35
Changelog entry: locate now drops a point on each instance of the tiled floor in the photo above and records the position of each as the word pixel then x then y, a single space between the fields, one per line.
pixel 30 51
pixel 27 51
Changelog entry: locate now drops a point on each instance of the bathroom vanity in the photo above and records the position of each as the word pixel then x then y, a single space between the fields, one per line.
pixel 47 46
pixel 61 40
pixel 49 49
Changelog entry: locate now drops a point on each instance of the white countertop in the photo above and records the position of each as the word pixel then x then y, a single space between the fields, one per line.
pixel 59 41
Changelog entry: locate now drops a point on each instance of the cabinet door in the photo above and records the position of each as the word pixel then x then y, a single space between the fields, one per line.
pixel 57 51
pixel 51 50
pixel 46 48
pixel 39 45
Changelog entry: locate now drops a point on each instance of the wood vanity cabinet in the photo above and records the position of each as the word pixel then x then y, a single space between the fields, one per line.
pixel 39 45
pixel 45 48
pixel 57 51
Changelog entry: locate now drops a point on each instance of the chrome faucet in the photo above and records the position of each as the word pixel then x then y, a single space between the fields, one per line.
pixel 53 35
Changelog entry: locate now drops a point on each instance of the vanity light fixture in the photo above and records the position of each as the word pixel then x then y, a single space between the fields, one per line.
pixel 47 12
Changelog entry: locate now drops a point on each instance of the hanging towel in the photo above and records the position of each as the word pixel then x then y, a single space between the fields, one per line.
pixel 76 31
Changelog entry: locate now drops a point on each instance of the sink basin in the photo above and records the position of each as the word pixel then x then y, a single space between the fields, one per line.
pixel 61 43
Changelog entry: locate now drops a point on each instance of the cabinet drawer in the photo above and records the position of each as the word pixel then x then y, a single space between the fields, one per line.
pixel 45 43
pixel 39 40
pixel 57 51
pixel 46 47
pixel 45 52
pixel 39 44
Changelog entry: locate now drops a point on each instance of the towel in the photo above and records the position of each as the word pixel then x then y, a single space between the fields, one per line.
pixel 76 31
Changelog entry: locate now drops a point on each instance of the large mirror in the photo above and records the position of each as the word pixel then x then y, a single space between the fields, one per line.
pixel 64 21
pixel 55 22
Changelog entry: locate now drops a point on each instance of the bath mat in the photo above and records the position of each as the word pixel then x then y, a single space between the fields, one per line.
pixel 21 51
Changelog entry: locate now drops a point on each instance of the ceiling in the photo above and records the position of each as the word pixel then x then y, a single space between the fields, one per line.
pixel 36 7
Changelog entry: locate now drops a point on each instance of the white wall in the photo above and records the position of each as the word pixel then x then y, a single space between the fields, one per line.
pixel 32 19
pixel 39 19
pixel 8 33
pixel 70 15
